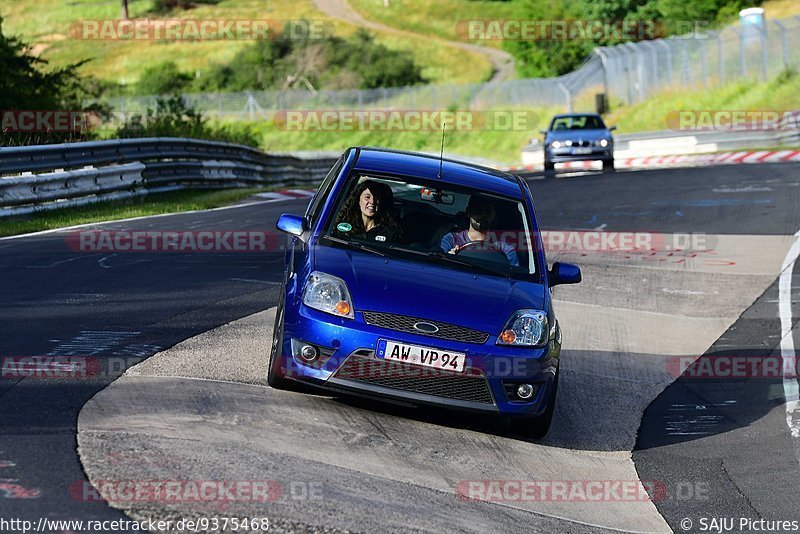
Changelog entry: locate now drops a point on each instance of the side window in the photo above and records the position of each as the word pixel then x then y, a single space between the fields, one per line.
pixel 322 193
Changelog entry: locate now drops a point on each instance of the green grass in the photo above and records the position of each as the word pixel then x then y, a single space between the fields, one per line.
pixel 440 18
pixel 45 24
pixel 497 145
pixel 780 93
pixel 504 146
pixel 124 209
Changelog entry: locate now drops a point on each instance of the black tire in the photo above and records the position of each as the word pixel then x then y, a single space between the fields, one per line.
pixel 608 165
pixel 549 166
pixel 536 427
pixel 275 377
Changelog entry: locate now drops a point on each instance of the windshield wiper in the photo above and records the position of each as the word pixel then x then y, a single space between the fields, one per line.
pixel 355 244
pixel 452 258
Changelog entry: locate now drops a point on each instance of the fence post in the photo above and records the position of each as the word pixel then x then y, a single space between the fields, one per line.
pixel 704 62
pixel 669 59
pixel 604 65
pixel 784 44
pixel 764 59
pixel 742 59
pixel 720 59
pixel 567 95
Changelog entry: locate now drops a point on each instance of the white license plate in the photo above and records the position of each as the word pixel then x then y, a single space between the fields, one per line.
pixel 581 150
pixel 425 356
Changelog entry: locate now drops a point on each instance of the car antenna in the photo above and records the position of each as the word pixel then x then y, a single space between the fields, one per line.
pixel 441 154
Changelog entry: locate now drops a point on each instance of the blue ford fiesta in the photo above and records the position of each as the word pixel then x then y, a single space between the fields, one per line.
pixel 421 280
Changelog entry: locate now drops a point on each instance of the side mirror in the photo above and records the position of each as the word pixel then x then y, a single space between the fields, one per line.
pixel 291 224
pixel 612 128
pixel 543 132
pixel 564 273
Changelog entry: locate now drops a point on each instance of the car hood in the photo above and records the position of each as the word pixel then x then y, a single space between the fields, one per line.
pixel 562 135
pixel 428 291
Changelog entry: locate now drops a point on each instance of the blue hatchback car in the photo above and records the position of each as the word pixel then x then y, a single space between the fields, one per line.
pixel 424 281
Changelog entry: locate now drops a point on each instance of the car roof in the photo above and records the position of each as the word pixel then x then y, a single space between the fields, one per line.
pixel 588 114
pixel 384 160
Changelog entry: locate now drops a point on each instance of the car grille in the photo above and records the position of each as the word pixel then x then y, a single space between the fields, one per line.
pixel 469 386
pixel 581 142
pixel 404 323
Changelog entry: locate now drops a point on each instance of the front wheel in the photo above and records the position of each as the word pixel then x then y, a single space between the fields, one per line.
pixel 275 376
pixel 536 427
pixel 608 165
pixel 549 166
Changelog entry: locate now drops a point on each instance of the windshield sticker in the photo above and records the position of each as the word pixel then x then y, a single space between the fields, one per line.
pixel 344 227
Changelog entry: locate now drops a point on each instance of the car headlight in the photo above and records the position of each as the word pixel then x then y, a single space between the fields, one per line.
pixel 602 142
pixel 329 294
pixel 567 143
pixel 525 328
pixel 556 144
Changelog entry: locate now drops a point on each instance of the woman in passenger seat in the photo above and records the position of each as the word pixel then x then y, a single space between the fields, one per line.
pixel 480 215
pixel 367 214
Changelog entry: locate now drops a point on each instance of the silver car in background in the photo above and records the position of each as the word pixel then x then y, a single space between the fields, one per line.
pixel 578 137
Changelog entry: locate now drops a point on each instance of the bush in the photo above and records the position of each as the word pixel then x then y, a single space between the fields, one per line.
pixel 165 6
pixel 173 117
pixel 164 78
pixel 26 85
pixel 330 63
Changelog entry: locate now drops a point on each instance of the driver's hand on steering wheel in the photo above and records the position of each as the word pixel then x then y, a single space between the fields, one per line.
pixel 454 250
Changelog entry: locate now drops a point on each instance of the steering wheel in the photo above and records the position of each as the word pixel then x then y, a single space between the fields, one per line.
pixel 474 249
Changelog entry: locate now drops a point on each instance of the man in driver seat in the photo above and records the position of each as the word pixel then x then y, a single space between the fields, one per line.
pixel 480 215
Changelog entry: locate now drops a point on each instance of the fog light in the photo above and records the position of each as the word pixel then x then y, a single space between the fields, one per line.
pixel 308 353
pixel 525 391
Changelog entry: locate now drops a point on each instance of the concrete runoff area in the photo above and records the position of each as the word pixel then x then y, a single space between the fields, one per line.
pixel 201 411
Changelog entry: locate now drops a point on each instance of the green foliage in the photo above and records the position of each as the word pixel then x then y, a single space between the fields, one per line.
pixel 669 17
pixel 173 117
pixel 26 85
pixel 549 57
pixel 328 63
pixel 164 78
pixel 165 6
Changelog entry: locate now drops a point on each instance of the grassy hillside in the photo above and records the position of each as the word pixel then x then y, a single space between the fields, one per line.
pixel 439 18
pixel 780 93
pixel 45 24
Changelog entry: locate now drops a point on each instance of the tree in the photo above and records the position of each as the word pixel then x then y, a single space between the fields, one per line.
pixel 124 9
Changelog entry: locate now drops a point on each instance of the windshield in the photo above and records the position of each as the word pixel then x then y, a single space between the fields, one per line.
pixel 578 122
pixel 421 220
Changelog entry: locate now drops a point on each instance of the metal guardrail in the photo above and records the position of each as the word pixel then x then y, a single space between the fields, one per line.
pixel 76 174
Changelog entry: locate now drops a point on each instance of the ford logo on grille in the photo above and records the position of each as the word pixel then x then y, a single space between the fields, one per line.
pixel 427 328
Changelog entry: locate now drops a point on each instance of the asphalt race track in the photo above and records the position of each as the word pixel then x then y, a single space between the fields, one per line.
pixel 632 406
